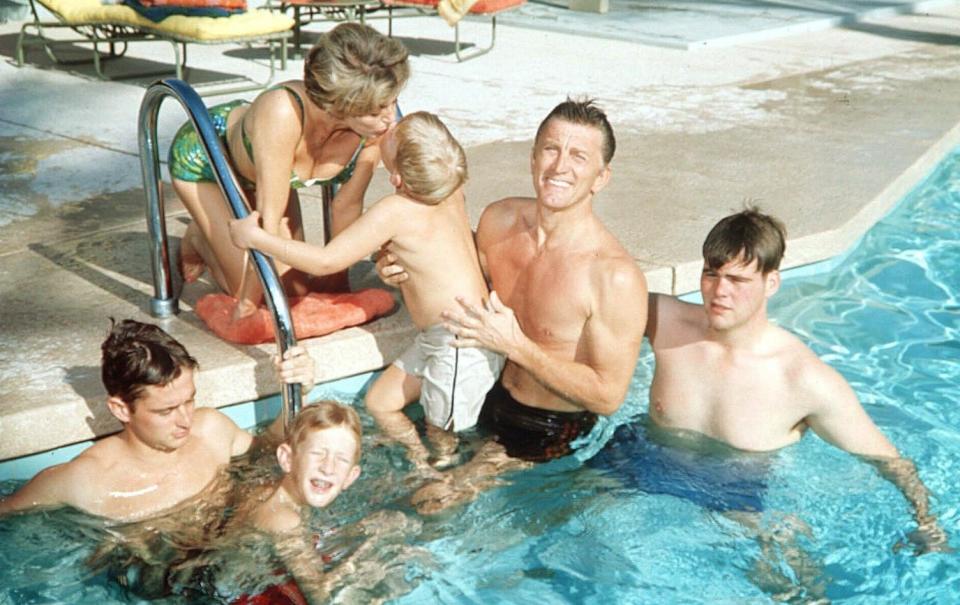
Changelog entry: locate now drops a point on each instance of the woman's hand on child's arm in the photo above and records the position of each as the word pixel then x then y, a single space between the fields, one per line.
pixel 244 231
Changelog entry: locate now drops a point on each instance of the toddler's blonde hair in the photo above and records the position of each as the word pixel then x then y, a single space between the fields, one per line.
pixel 430 161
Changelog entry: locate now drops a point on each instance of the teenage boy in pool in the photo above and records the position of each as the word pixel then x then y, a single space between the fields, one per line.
pixel 425 225
pixel 724 371
pixel 167 452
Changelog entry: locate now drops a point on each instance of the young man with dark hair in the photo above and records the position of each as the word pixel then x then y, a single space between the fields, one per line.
pixel 167 451
pixel 724 371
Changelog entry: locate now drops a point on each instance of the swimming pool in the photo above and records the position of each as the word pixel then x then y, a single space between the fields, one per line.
pixel 888 319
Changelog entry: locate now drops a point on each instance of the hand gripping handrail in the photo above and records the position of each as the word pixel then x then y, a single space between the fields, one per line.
pixel 164 303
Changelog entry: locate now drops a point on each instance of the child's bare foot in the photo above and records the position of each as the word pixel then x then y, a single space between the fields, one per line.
pixel 444 445
pixel 243 309
pixel 189 262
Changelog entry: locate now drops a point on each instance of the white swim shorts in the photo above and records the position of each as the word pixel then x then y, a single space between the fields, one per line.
pixel 454 382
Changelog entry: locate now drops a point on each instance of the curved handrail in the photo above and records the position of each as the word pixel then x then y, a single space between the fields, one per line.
pixel 164 303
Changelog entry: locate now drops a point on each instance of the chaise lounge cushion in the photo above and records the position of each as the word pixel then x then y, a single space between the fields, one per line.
pixel 91 12
pixel 158 10
pixel 482 7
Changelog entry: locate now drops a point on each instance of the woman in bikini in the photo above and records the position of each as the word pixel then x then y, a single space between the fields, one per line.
pixel 300 133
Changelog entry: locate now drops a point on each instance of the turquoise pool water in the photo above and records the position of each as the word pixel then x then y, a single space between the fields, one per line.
pixel 563 532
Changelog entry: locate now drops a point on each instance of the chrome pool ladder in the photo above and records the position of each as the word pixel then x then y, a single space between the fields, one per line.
pixel 164 302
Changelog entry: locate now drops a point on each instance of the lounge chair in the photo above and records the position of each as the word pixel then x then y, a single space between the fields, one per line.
pixel 109 28
pixel 310 11
pixel 483 8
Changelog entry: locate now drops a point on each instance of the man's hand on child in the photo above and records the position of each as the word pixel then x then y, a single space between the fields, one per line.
pixel 389 271
pixel 244 230
pixel 493 327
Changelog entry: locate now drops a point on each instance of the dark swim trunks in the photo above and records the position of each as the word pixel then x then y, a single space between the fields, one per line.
pixel 531 433
pixel 719 481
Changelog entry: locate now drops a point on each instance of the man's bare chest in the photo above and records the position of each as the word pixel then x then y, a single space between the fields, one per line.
pixel 749 406
pixel 134 492
pixel 550 302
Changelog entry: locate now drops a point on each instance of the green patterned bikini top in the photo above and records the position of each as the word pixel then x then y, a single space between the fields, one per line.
pixel 295 181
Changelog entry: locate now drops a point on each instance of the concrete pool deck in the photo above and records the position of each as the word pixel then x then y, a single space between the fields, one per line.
pixel 826 130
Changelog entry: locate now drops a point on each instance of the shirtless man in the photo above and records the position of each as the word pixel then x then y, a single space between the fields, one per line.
pixel 557 307
pixel 724 371
pixel 167 451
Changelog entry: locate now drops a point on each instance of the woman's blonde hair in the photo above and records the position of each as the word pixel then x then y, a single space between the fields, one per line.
pixel 431 163
pixel 354 70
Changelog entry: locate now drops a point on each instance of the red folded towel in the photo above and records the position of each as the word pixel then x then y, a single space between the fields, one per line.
pixel 315 314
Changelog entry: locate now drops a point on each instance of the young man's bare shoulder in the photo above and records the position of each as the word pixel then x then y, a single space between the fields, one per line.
pixel 219 434
pixel 804 369
pixel 73 480
pixel 212 425
pixel 673 322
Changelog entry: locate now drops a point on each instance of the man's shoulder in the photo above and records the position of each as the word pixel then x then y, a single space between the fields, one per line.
pixel 678 309
pixel 615 271
pixel 219 433
pixel 211 422
pixel 71 480
pixel 673 322
pixel 508 209
pixel 504 217
pixel 804 368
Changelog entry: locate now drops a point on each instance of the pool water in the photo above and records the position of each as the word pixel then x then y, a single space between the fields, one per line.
pixel 565 532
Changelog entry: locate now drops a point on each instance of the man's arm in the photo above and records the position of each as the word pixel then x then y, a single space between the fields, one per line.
pixel 49 488
pixel 671 321
pixel 365 236
pixel 840 420
pixel 608 349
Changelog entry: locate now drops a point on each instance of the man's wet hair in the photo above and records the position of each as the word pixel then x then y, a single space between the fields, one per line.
pixel 747 236
pixel 136 355
pixel 583 111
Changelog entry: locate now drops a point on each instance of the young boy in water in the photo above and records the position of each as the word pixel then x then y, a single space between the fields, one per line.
pixel 425 225
pixel 320 458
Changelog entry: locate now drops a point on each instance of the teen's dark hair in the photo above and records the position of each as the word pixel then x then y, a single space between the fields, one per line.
pixel 136 355
pixel 585 112
pixel 748 235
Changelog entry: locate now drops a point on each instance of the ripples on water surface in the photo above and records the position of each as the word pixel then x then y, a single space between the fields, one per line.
pixel 888 319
